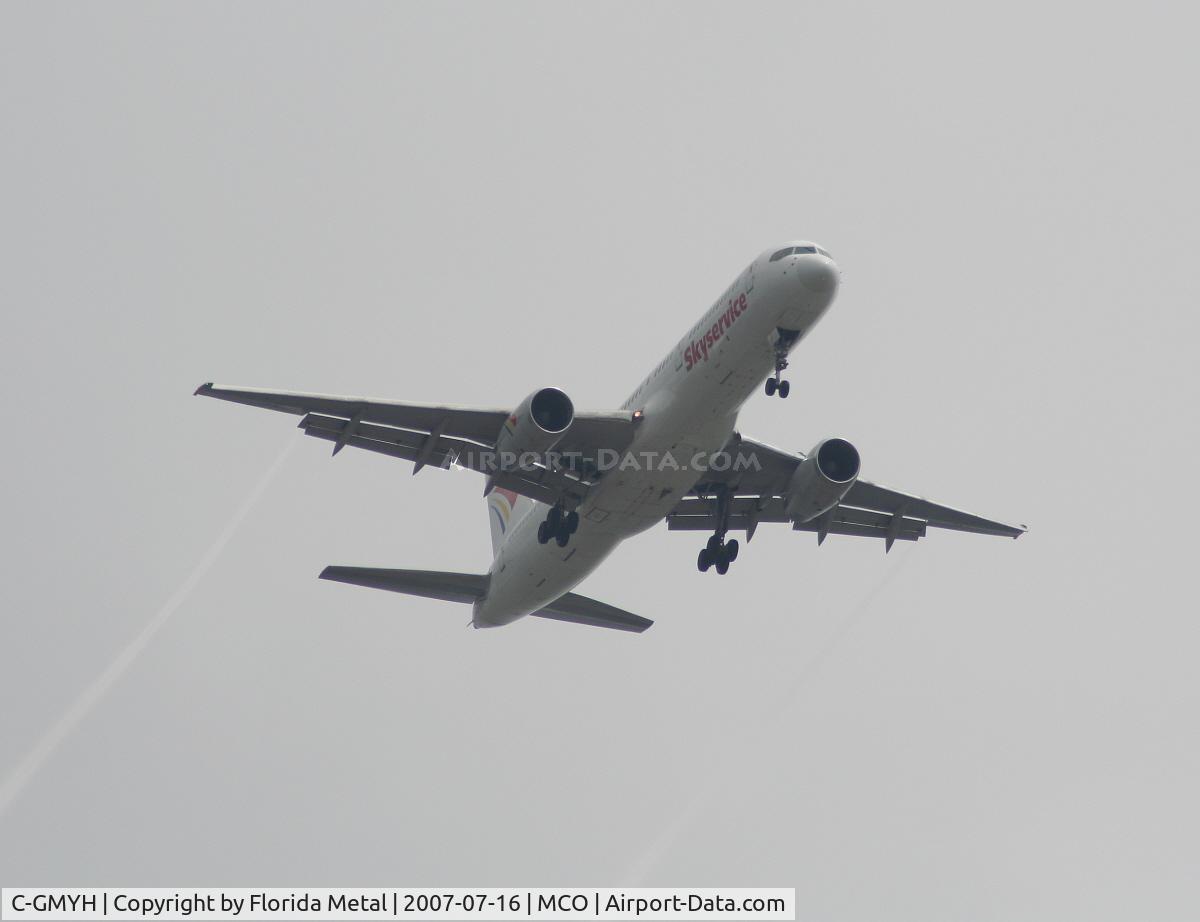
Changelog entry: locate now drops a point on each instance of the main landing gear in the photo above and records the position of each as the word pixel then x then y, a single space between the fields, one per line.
pixel 717 553
pixel 559 525
pixel 783 342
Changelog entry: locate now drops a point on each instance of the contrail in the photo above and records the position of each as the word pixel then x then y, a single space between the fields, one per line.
pixel 27 767
pixel 642 867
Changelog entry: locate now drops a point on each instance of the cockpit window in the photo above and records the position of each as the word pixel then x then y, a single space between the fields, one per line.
pixel 796 251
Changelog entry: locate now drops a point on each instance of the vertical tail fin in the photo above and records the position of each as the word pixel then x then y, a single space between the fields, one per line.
pixel 504 509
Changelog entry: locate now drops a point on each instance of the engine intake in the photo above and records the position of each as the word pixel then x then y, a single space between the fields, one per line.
pixel 822 479
pixel 535 426
pixel 551 409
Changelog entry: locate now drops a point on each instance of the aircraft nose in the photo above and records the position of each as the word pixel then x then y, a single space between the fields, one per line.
pixel 819 274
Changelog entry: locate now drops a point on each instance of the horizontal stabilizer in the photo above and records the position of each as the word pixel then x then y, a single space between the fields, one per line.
pixel 431 584
pixel 471 587
pixel 580 609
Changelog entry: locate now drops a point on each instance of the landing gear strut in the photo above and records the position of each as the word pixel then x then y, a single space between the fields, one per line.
pixel 783 341
pixel 718 552
pixel 559 525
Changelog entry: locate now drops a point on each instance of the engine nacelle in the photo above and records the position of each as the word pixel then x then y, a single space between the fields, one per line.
pixel 822 479
pixel 535 425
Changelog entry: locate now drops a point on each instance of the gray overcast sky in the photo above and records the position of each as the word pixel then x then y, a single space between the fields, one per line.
pixel 463 203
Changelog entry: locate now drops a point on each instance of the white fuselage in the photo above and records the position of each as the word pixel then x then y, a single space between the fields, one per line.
pixel 689 405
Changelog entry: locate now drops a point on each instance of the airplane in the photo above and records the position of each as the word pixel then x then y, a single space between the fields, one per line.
pixel 565 487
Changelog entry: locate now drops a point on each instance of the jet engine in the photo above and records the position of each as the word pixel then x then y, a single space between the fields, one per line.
pixel 535 425
pixel 822 479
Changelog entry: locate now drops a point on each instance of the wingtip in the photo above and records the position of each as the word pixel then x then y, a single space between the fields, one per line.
pixel 203 389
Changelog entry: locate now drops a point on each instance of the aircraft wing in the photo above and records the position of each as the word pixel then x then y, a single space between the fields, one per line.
pixel 758 493
pixel 436 435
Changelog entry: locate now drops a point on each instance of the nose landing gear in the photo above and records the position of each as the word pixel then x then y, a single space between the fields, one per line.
pixel 559 525
pixel 782 341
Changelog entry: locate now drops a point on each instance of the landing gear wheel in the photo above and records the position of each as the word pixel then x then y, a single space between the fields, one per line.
pixel 717 553
pixel 558 525
pixel 770 387
pixel 784 388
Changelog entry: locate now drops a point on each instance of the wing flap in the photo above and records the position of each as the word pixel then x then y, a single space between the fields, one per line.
pixel 536 482
pixel 902 530
pixel 842 521
pixel 904 521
